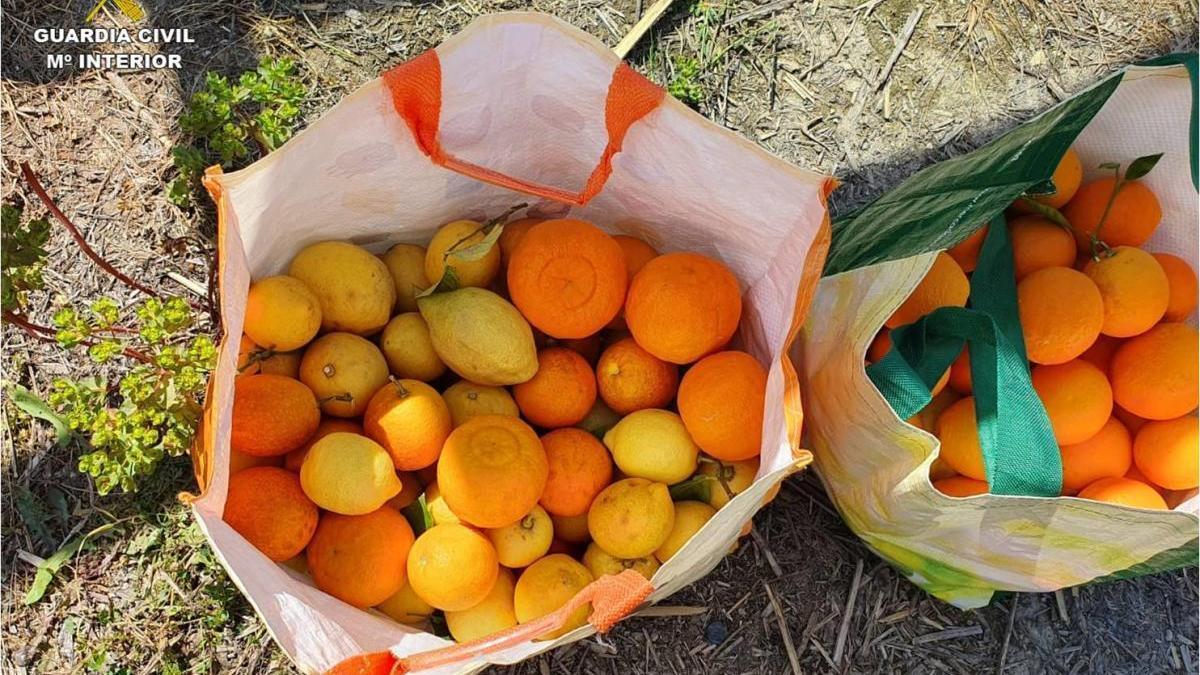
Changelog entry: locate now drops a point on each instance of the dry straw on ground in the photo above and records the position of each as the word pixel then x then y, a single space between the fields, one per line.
pixel 868 91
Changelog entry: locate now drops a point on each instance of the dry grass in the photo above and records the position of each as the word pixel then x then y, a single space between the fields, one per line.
pixel 839 86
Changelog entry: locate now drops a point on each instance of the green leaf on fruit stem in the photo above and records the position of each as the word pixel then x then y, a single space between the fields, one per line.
pixel 418 515
pixel 1046 211
pixel 697 488
pixel 1142 166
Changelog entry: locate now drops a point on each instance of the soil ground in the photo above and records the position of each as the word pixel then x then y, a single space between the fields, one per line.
pixel 834 85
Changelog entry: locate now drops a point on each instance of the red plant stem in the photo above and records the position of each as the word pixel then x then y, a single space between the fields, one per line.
pixel 77 235
pixel 46 334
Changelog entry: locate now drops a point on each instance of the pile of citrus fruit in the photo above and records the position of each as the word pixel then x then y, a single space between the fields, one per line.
pixel 483 426
pixel 1113 358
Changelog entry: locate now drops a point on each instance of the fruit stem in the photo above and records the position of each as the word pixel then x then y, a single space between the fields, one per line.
pixel 1097 244
pixel 483 229
pixel 257 356
pixel 1046 211
pixel 401 390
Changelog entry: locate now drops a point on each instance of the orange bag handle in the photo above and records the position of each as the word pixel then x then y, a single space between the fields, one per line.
pixel 613 597
pixel 416 88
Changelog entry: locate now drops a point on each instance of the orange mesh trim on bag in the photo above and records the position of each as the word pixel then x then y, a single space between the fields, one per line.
pixel 612 598
pixel 416 88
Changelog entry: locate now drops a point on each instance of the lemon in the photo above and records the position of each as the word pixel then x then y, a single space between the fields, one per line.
pixel 571 529
pixel 481 336
pixel 728 479
pixel 600 563
pixel 632 517
pixel 468 399
pixel 495 613
pixel 438 509
pixel 524 541
pixel 354 288
pixel 689 518
pixel 408 350
pixel 457 236
pixel 282 314
pixel 344 371
pixel 406 263
pixel 348 474
pixel 653 444
pixel 547 585
pixel 406 607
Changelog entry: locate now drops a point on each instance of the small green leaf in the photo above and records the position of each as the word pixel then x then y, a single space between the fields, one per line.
pixel 697 488
pixel 478 250
pixel 50 566
pixel 1142 166
pixel 448 282
pixel 33 406
pixel 418 515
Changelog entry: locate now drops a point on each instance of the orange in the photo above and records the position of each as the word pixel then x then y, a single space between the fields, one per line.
pixel 1061 314
pixel 492 470
pixel 562 391
pixel 1182 280
pixel 1077 398
pixel 944 285
pixel 1125 492
pixel 959 436
pixel 927 417
pixel 253 359
pixel 1154 375
pixel 1168 452
pixel 966 252
pixel 721 401
pixel 1067 176
pixel 1106 454
pixel 512 235
pixel 1132 422
pixel 547 585
pixel 240 461
pixel 410 420
pixel 452 567
pixel 1101 352
pixel 588 347
pixel 579 468
pixel 960 373
pixel 1134 215
pixel 568 278
pixel 880 345
pixel 1037 244
pixel 683 306
pixel 637 254
pixel 960 486
pixel 272 415
pixel 267 506
pixel 360 560
pixel 629 378
pixel 1135 474
pixel 328 425
pixel 1133 287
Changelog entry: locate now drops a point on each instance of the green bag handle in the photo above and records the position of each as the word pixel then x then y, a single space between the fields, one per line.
pixel 1020 455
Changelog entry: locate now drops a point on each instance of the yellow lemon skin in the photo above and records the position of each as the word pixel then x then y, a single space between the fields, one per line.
pixel 653 444
pixel 729 479
pixel 572 529
pixel 547 585
pixel 689 518
pixel 438 509
pixel 452 567
pixel 467 399
pixel 406 263
pixel 601 564
pixel 282 314
pixel 460 235
pixel 524 541
pixel 408 350
pixel 406 607
pixel 344 371
pixel 348 474
pixel 354 288
pixel 632 518
pixel 480 336
pixel 494 613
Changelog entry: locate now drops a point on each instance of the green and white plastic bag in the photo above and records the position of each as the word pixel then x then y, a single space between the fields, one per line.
pixel 875 466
